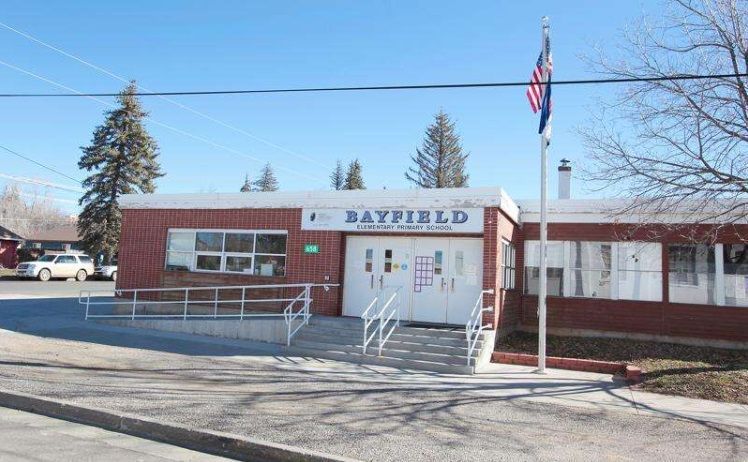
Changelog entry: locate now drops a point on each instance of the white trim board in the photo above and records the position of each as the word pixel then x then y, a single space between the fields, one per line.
pixel 446 198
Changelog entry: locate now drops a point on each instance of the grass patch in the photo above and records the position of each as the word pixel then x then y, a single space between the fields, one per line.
pixel 697 372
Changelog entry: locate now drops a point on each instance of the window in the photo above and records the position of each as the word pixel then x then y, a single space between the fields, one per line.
pixel 508 262
pixel 692 273
pixel 262 253
pixel 369 262
pixel 66 259
pixel 438 255
pixel 590 265
pixel 555 270
pixel 459 262
pixel 640 271
pixel 735 262
pixel 85 259
pixel 179 250
pixel 388 260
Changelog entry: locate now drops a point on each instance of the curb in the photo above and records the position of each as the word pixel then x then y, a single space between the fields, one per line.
pixel 632 374
pixel 209 442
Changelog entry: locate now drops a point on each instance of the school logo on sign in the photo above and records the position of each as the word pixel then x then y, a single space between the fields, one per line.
pixel 468 220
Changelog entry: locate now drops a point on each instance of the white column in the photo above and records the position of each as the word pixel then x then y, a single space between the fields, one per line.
pixel 719 276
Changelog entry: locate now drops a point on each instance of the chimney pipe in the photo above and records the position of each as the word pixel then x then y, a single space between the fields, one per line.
pixel 564 179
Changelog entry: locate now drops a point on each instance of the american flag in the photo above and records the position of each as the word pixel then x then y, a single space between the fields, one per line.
pixel 535 90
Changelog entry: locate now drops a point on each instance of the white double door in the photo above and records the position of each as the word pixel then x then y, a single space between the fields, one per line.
pixel 439 279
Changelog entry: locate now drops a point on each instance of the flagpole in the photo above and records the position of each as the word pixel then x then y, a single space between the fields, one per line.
pixel 543 287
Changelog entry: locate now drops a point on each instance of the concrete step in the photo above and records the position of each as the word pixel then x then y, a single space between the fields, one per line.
pixel 359 358
pixel 415 332
pixel 421 343
pixel 388 351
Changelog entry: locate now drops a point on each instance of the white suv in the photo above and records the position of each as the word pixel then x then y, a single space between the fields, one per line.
pixel 57 266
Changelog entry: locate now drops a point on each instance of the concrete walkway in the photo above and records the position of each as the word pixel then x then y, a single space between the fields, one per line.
pixel 363 412
pixel 31 437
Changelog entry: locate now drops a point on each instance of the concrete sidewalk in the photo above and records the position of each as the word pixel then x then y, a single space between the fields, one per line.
pixel 364 412
pixel 31 437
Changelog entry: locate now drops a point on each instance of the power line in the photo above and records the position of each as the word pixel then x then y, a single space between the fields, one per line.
pixel 39 182
pixel 383 87
pixel 162 124
pixel 176 103
pixel 39 164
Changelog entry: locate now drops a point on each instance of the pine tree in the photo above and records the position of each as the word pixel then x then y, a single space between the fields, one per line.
pixel 124 160
pixel 353 177
pixel 440 162
pixel 266 182
pixel 247 186
pixel 337 177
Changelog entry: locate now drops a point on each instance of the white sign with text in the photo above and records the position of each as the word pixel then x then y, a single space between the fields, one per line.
pixel 397 220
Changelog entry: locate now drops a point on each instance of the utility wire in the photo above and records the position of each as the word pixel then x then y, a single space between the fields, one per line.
pixel 162 124
pixel 384 87
pixel 176 103
pixel 40 164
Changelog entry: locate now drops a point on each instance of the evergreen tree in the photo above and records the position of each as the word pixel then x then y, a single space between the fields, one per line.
pixel 353 177
pixel 247 186
pixel 337 177
pixel 123 159
pixel 266 182
pixel 440 162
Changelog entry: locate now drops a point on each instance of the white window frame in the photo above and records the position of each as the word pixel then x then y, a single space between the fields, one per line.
pixel 223 254
pixel 719 275
pixel 507 245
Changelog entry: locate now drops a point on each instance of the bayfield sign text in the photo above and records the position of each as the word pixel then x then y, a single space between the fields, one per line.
pixel 395 220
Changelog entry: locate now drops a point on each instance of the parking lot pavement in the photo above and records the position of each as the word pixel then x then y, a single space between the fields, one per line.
pixel 11 288
pixel 369 413
pixel 31 437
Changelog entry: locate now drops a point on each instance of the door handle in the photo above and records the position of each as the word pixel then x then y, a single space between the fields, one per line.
pixel 443 283
pixel 381 281
pixel 453 284
pixel 372 281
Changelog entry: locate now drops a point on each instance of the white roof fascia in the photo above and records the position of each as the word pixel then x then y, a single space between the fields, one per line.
pixel 368 198
pixel 601 211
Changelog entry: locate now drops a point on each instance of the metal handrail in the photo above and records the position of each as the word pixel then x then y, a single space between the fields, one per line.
pixel 384 316
pixel 84 298
pixel 290 315
pixel 474 326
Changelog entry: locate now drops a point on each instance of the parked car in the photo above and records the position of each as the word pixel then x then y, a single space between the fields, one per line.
pixel 107 271
pixel 57 266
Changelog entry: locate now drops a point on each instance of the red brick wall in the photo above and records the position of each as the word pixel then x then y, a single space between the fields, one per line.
pixel 653 318
pixel 143 247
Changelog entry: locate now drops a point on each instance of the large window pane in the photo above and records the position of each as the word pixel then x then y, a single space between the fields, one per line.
pixel 270 265
pixel 640 285
pixel 209 242
pixel 239 242
pixel 639 256
pixel 591 283
pixel 271 243
pixel 692 274
pixel 735 257
pixel 555 269
pixel 239 264
pixel 590 255
pixel 554 285
pixel 640 271
pixel 179 240
pixel 178 261
pixel 208 263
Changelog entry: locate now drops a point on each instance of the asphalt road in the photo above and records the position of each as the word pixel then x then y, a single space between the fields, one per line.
pixel 11 288
pixel 362 412
pixel 31 437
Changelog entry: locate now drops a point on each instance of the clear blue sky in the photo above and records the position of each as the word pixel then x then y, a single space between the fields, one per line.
pixel 243 45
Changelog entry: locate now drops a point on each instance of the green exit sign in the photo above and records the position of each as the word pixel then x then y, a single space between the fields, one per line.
pixel 311 248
